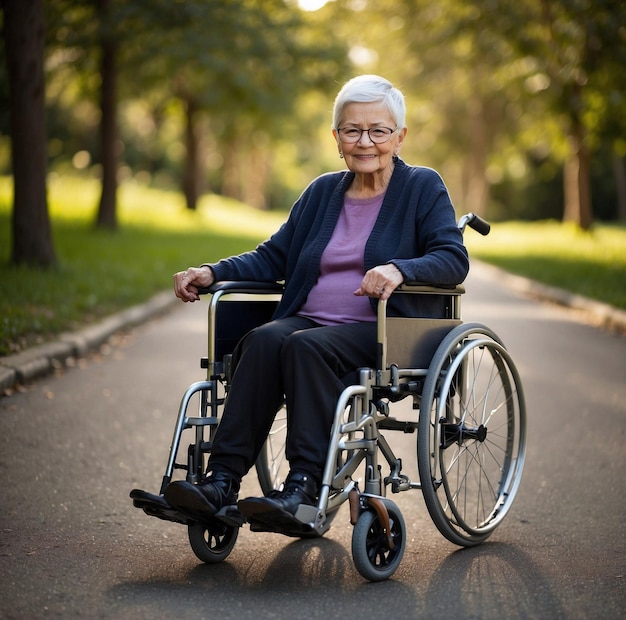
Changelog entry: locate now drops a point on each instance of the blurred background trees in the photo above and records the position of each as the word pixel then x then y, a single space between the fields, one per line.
pixel 521 105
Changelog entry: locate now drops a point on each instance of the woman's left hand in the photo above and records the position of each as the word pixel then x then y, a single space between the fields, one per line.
pixel 380 281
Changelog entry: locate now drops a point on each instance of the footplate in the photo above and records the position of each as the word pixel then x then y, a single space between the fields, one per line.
pixel 264 518
pixel 230 515
pixel 156 506
pixel 286 527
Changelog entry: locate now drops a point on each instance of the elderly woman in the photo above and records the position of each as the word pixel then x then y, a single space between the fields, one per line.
pixel 352 237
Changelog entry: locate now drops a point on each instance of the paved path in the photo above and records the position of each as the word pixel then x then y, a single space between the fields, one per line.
pixel 75 442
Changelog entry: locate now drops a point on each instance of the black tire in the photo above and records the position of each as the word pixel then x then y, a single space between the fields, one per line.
pixel 371 553
pixel 212 543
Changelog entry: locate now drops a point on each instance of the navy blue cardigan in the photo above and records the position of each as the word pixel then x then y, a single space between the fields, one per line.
pixel 415 230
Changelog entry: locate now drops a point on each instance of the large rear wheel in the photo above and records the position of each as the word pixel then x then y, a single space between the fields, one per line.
pixel 472 434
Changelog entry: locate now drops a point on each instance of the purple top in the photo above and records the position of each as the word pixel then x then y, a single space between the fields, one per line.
pixel 332 300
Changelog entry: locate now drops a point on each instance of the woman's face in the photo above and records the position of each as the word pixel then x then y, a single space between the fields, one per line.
pixel 365 156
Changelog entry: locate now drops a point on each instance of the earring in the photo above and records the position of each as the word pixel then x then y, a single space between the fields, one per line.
pixel 340 154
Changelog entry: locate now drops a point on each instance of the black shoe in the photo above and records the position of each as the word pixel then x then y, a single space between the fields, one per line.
pixel 277 510
pixel 203 500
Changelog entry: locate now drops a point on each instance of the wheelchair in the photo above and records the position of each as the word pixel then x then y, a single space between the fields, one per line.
pixel 470 425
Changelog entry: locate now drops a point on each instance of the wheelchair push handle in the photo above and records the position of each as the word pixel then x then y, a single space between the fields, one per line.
pixel 475 222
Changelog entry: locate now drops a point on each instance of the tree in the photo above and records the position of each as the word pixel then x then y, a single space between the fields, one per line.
pixel 242 64
pixel 577 51
pixel 24 35
pixel 82 49
pixel 107 208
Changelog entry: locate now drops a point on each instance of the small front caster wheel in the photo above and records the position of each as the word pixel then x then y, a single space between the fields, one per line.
pixel 213 542
pixel 373 556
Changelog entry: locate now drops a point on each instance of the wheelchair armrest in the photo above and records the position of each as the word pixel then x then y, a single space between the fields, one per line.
pixel 430 289
pixel 243 286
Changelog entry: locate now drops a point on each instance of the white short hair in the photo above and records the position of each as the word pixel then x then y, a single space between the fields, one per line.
pixel 370 89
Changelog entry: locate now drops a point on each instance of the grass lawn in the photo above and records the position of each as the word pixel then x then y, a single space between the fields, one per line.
pixel 592 264
pixel 101 272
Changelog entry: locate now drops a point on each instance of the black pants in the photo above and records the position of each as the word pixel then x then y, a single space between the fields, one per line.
pixel 296 360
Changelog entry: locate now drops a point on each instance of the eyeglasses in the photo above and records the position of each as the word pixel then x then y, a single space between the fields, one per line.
pixel 378 135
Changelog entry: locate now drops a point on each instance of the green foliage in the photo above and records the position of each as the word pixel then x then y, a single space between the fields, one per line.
pixel 238 58
pixel 238 68
pixel 486 96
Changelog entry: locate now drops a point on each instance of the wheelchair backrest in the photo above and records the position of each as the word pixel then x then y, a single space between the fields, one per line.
pixel 235 319
pixel 234 309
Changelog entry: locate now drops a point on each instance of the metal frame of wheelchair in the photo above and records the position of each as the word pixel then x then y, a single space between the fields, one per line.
pixel 471 430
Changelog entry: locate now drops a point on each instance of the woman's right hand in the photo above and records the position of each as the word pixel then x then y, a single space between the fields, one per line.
pixel 187 283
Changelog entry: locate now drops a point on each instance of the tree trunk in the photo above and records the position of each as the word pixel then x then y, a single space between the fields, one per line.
pixel 619 172
pixel 107 209
pixel 257 173
pixel 576 183
pixel 577 174
pixel 24 44
pixel 191 169
pixel 476 184
pixel 231 178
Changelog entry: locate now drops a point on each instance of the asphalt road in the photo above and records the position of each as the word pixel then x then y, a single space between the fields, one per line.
pixel 73 445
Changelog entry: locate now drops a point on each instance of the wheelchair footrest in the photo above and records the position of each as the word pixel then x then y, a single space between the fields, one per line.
pixel 231 516
pixel 156 506
pixel 262 519
pixel 294 528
